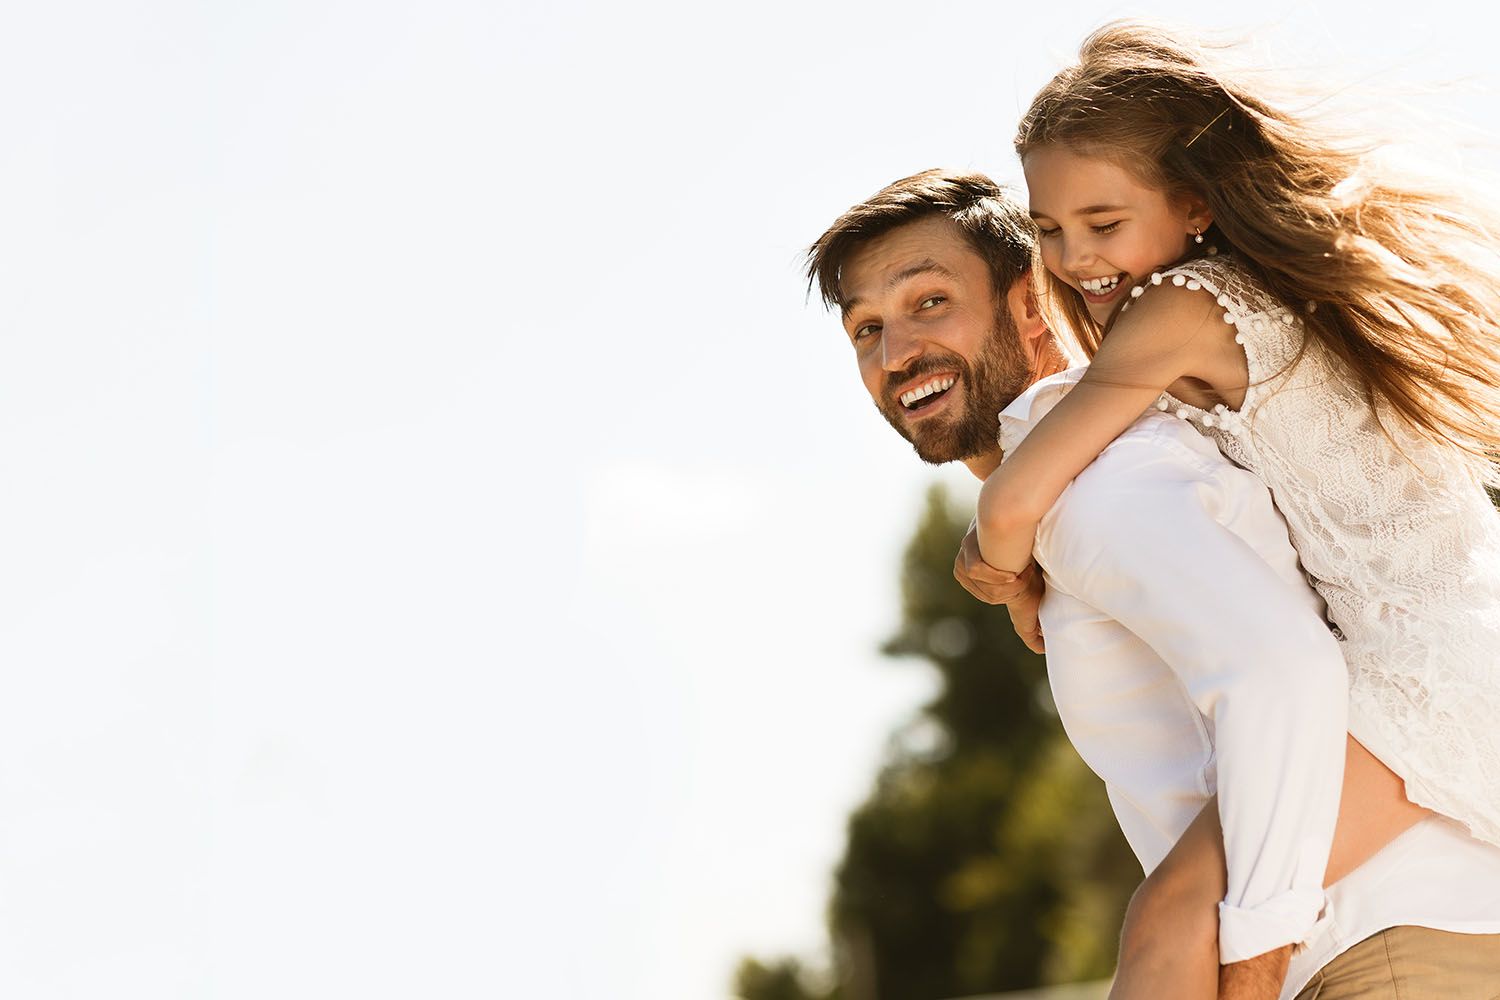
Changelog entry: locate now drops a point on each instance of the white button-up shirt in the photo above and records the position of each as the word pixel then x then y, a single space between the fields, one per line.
pixel 1188 656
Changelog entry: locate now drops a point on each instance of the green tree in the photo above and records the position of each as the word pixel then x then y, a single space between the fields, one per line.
pixel 986 857
pixel 781 980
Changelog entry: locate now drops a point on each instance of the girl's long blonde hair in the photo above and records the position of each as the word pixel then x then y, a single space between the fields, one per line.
pixel 1398 278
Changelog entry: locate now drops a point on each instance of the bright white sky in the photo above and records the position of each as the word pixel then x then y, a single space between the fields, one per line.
pixel 443 555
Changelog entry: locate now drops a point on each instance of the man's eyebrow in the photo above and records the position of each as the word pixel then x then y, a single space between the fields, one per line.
pixel 928 266
pixel 1090 210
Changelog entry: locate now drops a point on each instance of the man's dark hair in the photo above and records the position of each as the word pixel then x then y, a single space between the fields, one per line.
pixel 989 216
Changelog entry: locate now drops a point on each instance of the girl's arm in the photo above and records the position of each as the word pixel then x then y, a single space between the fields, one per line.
pixel 1169 334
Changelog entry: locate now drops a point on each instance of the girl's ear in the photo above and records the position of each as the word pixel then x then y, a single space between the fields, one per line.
pixel 1199 215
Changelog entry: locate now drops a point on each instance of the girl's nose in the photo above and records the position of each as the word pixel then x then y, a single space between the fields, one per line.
pixel 1077 255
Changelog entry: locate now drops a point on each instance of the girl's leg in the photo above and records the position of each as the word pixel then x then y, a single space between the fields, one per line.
pixel 1169 943
pixel 1373 810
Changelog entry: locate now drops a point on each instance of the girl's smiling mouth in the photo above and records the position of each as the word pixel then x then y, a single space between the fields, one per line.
pixel 1103 289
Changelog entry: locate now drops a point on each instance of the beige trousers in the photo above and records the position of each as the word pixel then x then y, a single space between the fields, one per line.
pixel 1412 963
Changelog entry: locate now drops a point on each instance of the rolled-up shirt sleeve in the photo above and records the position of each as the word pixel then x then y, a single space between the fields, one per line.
pixel 1144 537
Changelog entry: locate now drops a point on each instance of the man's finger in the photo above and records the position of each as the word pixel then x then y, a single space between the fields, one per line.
pixel 971 581
pixel 981 570
pixel 980 591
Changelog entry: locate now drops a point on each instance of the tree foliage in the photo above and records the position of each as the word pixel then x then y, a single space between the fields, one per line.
pixel 986 857
pixel 783 979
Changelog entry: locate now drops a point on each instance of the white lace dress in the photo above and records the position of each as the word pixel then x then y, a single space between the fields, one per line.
pixel 1397 535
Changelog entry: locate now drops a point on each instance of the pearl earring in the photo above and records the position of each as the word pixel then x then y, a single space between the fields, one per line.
pixel 1197 235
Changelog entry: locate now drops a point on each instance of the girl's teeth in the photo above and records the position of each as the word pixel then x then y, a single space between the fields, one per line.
pixel 1100 285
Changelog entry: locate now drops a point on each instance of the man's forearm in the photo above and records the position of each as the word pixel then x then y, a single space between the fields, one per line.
pixel 1258 978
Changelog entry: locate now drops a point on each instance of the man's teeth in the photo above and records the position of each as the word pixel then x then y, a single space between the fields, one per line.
pixel 923 391
pixel 1100 285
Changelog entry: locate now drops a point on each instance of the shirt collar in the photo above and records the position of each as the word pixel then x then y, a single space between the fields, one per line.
pixel 1017 419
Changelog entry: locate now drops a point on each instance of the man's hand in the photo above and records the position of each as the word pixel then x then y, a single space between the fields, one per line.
pixel 1020 592
pixel 1025 610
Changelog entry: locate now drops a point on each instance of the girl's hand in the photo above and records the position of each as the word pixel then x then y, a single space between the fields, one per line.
pixel 1021 592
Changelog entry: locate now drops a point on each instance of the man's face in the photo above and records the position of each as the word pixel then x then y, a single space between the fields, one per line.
pixel 937 348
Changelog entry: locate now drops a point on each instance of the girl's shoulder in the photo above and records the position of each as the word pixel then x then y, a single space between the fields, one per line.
pixel 1237 289
pixel 1185 299
pixel 1261 339
pixel 1270 334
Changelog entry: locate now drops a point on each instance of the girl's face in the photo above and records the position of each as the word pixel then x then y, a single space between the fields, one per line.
pixel 1102 230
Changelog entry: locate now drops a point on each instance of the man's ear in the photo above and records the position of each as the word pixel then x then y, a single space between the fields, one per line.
pixel 1025 313
pixel 1037 341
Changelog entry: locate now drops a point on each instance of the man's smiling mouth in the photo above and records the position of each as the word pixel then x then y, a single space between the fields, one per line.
pixel 928 392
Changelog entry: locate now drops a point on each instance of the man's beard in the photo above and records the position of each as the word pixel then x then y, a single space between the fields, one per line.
pixel 999 374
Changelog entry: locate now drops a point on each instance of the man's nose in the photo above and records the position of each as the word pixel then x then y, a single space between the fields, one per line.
pixel 900 345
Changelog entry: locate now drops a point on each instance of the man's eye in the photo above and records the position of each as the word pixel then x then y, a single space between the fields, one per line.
pixel 868 330
pixel 1108 227
pixel 932 300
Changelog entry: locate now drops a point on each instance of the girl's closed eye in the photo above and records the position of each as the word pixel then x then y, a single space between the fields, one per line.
pixel 1107 227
